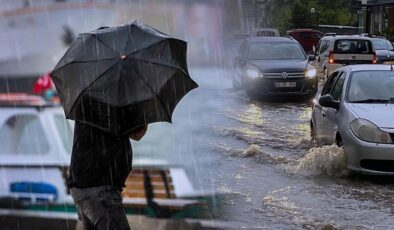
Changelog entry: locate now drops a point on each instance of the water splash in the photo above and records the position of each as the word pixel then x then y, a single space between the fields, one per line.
pixel 329 160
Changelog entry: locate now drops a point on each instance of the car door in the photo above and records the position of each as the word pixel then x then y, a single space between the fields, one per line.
pixel 331 115
pixel 319 119
pixel 323 55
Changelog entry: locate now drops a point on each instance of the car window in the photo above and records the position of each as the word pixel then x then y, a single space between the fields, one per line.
pixel 65 132
pixel 371 84
pixel 329 84
pixel 318 46
pixel 265 33
pixel 382 44
pixel 275 51
pixel 336 91
pixel 23 134
pixel 353 46
pixel 324 46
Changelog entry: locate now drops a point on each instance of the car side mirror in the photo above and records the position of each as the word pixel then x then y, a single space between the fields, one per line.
pixel 328 101
pixel 311 57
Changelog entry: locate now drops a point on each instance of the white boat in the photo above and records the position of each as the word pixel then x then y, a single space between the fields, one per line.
pixel 35 150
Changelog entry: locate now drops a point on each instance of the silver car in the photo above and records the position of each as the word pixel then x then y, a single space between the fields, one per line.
pixel 355 109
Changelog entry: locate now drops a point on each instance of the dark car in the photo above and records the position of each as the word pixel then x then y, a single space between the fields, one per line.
pixel 384 50
pixel 275 67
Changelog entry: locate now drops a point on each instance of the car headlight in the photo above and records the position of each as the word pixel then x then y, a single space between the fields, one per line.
pixel 253 72
pixel 310 73
pixel 369 132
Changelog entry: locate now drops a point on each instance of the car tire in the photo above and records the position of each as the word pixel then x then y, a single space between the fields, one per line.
pixel 312 133
pixel 251 94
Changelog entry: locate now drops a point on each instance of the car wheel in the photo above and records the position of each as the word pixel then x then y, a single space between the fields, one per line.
pixel 312 132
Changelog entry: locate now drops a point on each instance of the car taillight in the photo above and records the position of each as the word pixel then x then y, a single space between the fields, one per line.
pixel 331 57
pixel 374 58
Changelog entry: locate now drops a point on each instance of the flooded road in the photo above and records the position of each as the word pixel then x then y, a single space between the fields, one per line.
pixel 259 156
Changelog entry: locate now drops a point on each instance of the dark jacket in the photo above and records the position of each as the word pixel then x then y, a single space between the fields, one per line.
pixel 99 158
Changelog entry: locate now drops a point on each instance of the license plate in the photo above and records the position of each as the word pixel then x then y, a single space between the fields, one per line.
pixel 285 84
pixel 389 62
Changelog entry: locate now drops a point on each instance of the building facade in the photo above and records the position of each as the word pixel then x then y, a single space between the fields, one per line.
pixel 376 16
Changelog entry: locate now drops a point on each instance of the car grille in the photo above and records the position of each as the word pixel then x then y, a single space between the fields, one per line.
pixel 378 165
pixel 279 75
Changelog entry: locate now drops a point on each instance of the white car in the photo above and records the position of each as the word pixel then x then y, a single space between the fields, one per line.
pixel 355 109
pixel 335 51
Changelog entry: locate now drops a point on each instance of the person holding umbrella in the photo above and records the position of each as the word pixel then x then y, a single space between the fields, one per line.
pixel 114 82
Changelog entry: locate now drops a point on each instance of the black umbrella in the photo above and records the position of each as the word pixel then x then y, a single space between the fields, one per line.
pixel 120 78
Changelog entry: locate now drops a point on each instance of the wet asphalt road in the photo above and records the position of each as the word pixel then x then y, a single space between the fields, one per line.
pixel 259 156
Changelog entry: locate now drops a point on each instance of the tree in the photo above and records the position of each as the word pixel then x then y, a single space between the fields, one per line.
pixel 301 16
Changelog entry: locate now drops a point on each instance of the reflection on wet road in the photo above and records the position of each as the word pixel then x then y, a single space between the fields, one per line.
pixel 260 155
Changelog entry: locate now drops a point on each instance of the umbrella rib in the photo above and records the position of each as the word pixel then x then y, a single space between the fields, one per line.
pixel 160 64
pixel 79 62
pixel 72 107
pixel 147 47
pixel 153 92
pixel 98 39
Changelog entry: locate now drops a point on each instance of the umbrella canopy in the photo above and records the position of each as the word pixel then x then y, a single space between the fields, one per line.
pixel 120 78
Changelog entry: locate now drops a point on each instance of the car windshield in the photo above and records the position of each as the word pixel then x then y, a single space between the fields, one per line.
pixel 382 44
pixel 353 46
pixel 65 131
pixel 371 87
pixel 23 135
pixel 275 51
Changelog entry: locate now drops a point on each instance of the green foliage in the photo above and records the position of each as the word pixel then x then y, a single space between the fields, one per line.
pixel 387 33
pixel 286 15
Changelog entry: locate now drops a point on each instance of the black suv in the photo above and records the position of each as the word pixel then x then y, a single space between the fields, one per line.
pixel 275 66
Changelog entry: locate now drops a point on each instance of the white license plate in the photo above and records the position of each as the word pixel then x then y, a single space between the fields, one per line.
pixel 285 84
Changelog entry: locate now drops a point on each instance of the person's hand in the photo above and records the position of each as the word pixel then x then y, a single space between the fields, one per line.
pixel 138 133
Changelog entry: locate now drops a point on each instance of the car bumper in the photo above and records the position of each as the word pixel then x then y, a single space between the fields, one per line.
pixel 267 88
pixel 369 158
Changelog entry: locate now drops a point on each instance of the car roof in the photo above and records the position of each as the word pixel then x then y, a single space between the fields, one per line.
pixel 367 67
pixel 269 39
pixel 379 38
pixel 264 29
pixel 358 37
pixel 303 30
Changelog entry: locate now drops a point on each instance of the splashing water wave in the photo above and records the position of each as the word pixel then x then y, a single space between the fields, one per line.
pixel 253 150
pixel 329 160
